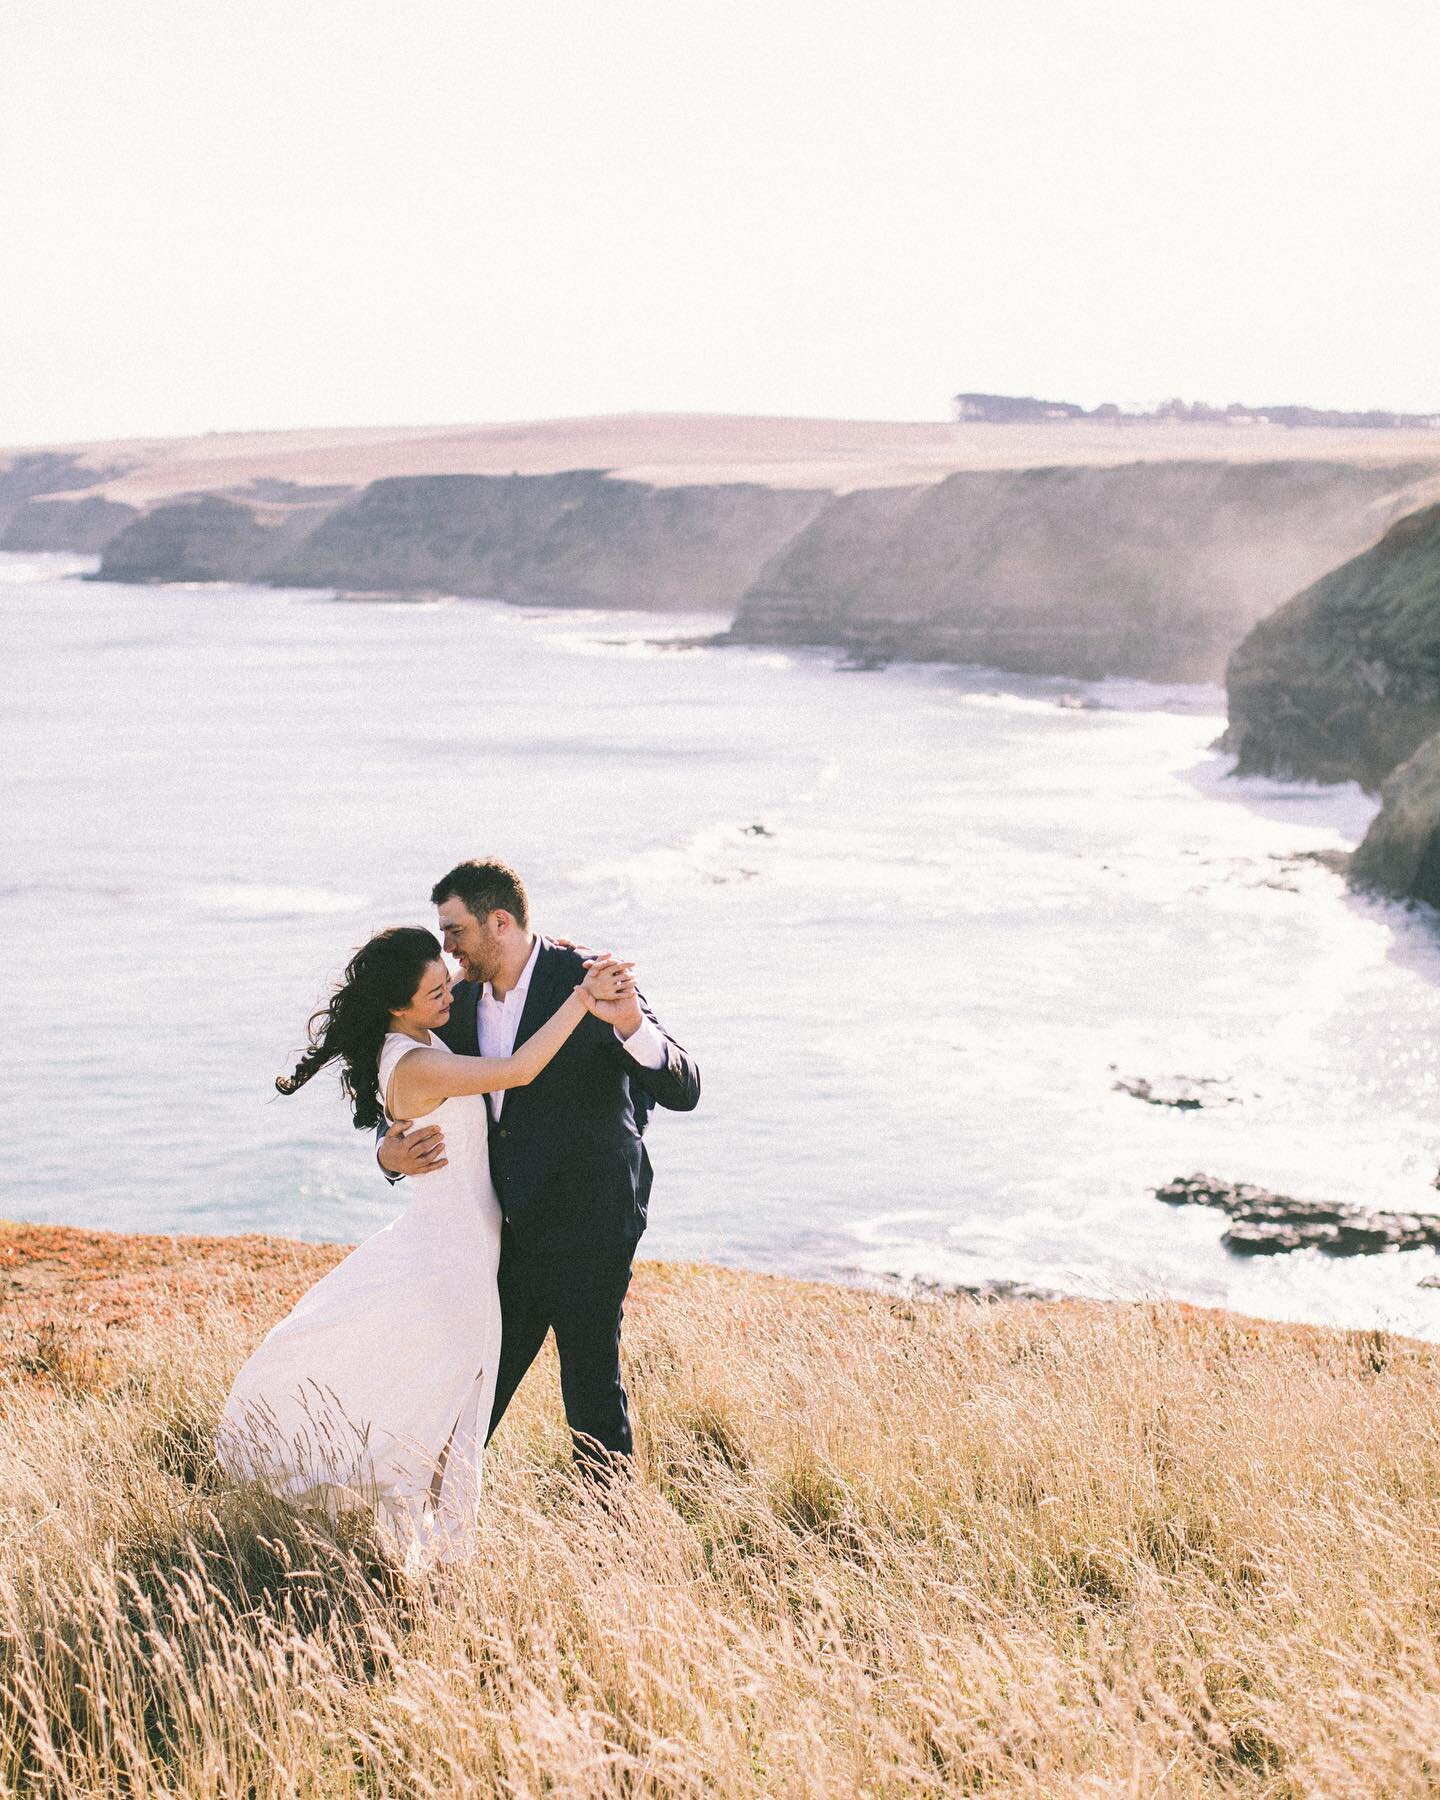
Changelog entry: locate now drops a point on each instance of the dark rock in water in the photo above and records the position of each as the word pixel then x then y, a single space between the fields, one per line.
pixel 1269 1224
pixel 1152 570
pixel 85 525
pixel 1429 1281
pixel 1186 1093
pixel 1400 853
pixel 1337 861
pixel 1343 682
pixel 760 831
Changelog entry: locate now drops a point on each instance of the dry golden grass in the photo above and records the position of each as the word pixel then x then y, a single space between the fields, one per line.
pixel 872 1547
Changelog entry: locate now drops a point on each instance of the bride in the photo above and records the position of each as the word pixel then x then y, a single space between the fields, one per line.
pixel 377 1388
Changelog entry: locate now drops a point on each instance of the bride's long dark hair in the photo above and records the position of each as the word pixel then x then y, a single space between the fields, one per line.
pixel 382 977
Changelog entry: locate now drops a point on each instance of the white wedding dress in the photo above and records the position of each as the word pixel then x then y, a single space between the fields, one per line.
pixel 377 1389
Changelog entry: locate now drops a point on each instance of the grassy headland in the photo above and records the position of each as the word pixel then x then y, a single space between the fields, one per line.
pixel 874 1545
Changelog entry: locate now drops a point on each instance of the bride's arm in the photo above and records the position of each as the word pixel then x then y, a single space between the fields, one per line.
pixel 423 1078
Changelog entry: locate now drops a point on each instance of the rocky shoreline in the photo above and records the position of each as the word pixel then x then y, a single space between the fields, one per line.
pixel 1271 1224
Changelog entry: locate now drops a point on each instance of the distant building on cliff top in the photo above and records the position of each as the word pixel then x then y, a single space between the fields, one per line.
pixel 1008 409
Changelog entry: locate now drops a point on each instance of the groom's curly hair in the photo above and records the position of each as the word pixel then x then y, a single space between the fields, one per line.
pixel 485 886
pixel 382 977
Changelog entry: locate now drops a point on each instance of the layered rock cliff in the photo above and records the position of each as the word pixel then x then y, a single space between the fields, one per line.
pixel 569 539
pixel 579 538
pixel 208 538
pixel 86 525
pixel 1343 682
pixel 1149 569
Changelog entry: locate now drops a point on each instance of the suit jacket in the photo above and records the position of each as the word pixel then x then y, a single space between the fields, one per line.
pixel 566 1155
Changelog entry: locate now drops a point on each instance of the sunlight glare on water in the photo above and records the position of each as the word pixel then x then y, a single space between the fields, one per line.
pixel 915 924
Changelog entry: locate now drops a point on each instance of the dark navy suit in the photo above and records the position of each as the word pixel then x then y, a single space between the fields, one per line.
pixel 573 1178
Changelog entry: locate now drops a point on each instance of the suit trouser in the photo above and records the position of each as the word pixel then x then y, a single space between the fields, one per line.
pixel 578 1291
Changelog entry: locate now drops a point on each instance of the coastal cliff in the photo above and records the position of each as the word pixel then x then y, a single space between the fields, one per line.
pixel 208 538
pixel 86 525
pixel 1148 569
pixel 29 475
pixel 1400 854
pixel 578 538
pixel 1343 682
pixel 570 539
pixel 1152 570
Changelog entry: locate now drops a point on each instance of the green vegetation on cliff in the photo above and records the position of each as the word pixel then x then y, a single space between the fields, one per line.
pixel 1343 682
pixel 1400 854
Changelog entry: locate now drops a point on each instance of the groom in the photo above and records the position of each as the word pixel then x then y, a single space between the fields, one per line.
pixel 566 1155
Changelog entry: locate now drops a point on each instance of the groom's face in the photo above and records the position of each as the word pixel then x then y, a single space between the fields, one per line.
pixel 472 942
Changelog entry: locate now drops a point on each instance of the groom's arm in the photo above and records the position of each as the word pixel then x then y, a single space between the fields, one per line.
pixel 664 1071
pixel 654 1062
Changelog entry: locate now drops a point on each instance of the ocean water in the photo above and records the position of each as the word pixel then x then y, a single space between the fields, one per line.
pixel 914 923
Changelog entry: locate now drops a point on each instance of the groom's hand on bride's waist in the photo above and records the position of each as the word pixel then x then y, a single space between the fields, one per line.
pixel 419 1154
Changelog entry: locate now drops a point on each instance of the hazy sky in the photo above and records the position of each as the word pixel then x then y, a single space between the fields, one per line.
pixel 297 212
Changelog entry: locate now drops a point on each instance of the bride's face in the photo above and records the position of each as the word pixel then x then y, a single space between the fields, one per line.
pixel 431 1006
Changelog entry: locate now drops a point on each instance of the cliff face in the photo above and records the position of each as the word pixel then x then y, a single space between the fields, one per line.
pixel 1343 682
pixel 1400 854
pixel 1151 569
pixel 205 539
pixel 572 539
pixel 578 538
pixel 85 525
pixel 29 474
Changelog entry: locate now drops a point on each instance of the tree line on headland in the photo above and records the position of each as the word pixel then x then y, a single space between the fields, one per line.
pixel 1014 409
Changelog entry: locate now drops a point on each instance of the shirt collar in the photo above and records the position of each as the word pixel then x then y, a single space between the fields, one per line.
pixel 522 986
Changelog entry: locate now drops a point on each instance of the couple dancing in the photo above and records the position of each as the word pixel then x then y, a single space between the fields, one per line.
pixel 516 1101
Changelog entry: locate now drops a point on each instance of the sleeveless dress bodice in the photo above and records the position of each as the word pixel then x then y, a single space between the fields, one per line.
pixel 377 1387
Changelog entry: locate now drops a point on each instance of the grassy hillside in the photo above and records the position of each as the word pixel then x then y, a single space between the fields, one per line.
pixel 873 1546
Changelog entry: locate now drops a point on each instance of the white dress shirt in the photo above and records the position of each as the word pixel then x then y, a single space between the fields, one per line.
pixel 497 1021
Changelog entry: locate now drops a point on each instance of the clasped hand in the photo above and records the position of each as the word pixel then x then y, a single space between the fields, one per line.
pixel 608 991
pixel 608 984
